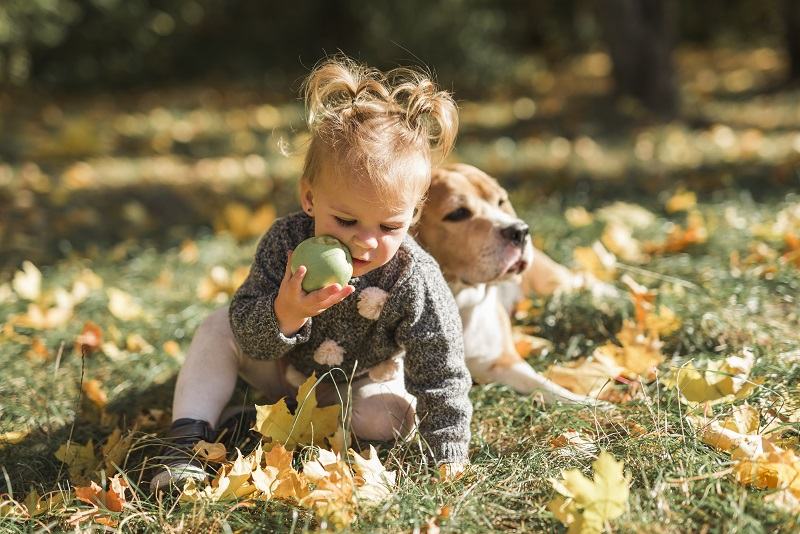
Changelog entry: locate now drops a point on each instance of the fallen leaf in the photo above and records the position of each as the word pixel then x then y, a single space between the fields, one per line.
pixel 682 200
pixel 210 452
pixel 773 467
pixel 721 381
pixel 27 283
pixel 115 450
pixel 585 505
pixel 38 351
pixel 113 499
pixel 13 437
pixel 619 239
pixel 631 215
pixel 597 261
pixel 578 217
pixel 586 376
pixel 90 338
pixel 309 425
pixel 373 482
pixel 122 305
pixel 93 389
pixel 80 459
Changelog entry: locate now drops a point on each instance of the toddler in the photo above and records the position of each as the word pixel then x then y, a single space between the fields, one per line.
pixel 394 329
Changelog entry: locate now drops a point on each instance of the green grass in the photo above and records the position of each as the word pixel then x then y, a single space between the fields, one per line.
pixel 676 481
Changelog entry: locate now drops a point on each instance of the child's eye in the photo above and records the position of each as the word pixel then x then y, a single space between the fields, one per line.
pixel 390 229
pixel 345 222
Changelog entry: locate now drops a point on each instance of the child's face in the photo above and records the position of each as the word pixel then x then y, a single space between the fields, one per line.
pixel 356 216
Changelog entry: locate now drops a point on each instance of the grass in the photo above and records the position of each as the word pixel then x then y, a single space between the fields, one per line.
pixel 678 484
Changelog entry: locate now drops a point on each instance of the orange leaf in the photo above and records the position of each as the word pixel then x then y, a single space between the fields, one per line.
pixel 90 339
pixel 94 391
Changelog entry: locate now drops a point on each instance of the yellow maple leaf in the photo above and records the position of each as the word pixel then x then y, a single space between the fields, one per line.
pixel 309 425
pixel 639 355
pixel 80 459
pixel 773 467
pixel 737 430
pixel 587 506
pixel 721 381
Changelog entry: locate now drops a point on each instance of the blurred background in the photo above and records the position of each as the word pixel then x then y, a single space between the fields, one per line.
pixel 129 119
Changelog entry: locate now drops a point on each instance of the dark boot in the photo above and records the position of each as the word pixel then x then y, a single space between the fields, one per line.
pixel 177 461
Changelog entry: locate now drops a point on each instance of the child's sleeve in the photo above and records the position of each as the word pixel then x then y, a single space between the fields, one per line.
pixel 252 312
pixel 435 372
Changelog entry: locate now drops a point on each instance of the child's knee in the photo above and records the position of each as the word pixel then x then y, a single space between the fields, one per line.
pixel 383 417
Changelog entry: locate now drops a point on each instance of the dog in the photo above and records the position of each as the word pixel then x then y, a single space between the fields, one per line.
pixel 487 257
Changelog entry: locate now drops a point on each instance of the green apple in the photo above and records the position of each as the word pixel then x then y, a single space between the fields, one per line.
pixel 327 261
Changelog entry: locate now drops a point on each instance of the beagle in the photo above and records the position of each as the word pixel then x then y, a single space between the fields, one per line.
pixel 485 252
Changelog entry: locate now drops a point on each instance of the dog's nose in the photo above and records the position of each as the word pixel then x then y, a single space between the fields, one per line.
pixel 515 233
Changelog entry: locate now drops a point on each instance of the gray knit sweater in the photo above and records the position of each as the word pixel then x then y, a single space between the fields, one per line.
pixel 404 305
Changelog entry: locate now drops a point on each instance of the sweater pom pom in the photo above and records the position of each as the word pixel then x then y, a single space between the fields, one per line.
pixel 371 301
pixel 385 371
pixel 329 353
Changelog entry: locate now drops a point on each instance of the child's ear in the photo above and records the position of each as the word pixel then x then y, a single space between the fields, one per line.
pixel 306 197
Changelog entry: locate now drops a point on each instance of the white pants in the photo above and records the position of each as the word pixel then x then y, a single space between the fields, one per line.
pixel 381 408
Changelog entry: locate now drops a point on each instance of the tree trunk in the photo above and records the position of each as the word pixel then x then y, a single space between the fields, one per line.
pixel 640 41
pixel 791 17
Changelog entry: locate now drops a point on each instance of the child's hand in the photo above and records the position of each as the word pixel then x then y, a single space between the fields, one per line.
pixel 293 306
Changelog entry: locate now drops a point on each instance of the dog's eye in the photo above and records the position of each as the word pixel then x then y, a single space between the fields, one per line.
pixel 502 202
pixel 459 214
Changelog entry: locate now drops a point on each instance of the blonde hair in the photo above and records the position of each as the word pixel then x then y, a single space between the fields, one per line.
pixel 375 127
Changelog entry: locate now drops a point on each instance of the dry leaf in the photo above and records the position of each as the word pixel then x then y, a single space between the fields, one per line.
pixel 630 215
pixel 309 425
pixel 722 381
pixel 737 431
pixel 597 261
pixel 27 283
pixel 210 452
pixel 682 200
pixel 80 459
pixel 115 450
pixel 773 467
pixel 586 376
pixel 586 506
pixel 13 437
pixel 578 217
pixel 373 482
pixel 112 500
pixel 122 305
pixel 90 338
pixel 93 389
pixel 619 239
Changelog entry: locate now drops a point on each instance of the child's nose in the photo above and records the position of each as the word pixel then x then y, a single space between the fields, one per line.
pixel 366 241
